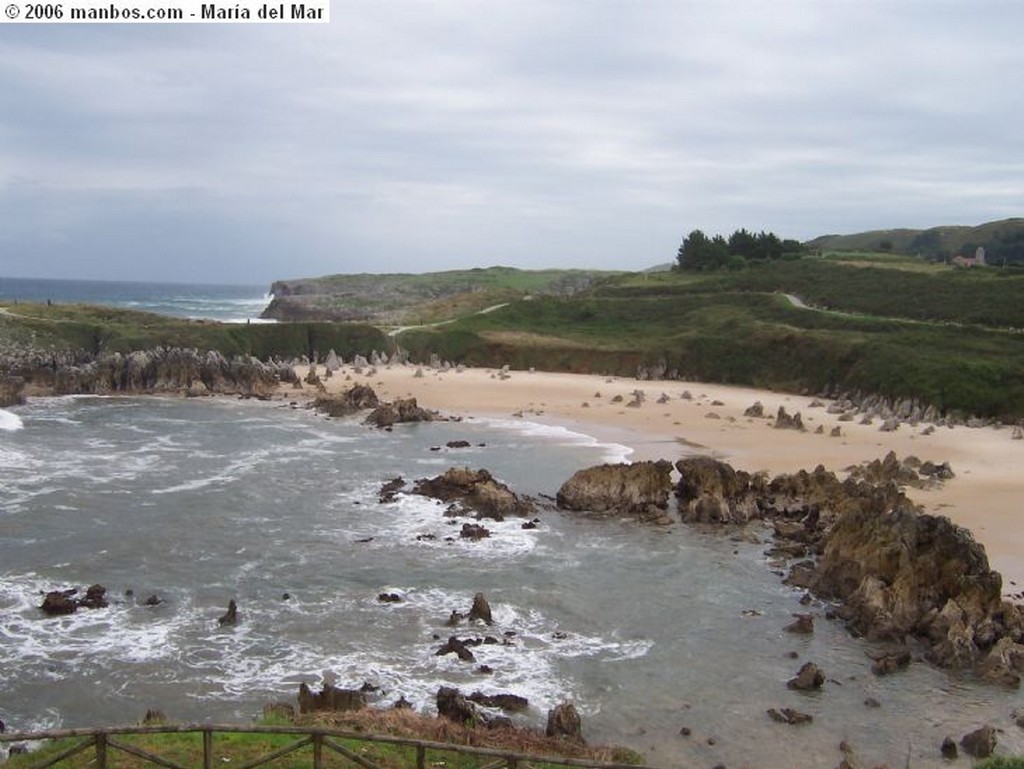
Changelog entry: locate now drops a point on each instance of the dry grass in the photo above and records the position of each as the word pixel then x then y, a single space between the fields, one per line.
pixel 408 723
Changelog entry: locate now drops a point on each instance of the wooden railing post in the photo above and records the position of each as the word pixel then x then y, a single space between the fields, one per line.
pixel 207 748
pixel 318 750
pixel 421 757
pixel 101 751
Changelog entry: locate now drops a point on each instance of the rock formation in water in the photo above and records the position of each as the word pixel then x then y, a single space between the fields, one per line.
pixel 900 575
pixel 639 490
pixel 401 410
pixel 474 491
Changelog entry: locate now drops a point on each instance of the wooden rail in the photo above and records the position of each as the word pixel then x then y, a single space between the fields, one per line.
pixel 104 740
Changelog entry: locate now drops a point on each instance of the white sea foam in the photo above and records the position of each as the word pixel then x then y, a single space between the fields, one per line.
pixel 10 421
pixel 613 452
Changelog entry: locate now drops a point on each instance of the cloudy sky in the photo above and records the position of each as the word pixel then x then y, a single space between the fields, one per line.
pixel 437 134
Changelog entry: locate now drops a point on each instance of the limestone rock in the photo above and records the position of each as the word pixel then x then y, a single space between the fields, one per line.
pixel 451 704
pixel 710 491
pixel 476 491
pixel 980 743
pixel 564 723
pixel 789 716
pixel 330 698
pixel 808 678
pixel 640 489
pixel 783 421
pixel 357 398
pixel 481 609
pixel 401 410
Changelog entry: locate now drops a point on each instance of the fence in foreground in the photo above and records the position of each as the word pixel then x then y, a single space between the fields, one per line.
pixel 315 747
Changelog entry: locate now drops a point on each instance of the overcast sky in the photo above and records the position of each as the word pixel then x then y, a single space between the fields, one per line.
pixel 416 136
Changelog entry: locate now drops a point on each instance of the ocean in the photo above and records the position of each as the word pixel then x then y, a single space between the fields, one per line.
pixel 202 501
pixel 651 632
pixel 225 303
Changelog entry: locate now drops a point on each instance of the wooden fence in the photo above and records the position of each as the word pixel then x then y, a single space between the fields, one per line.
pixel 104 742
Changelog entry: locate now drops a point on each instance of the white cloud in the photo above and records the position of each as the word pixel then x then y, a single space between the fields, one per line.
pixel 425 135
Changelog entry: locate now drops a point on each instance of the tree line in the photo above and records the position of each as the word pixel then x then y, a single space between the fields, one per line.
pixel 699 252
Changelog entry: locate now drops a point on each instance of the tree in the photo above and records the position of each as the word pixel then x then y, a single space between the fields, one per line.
pixel 698 252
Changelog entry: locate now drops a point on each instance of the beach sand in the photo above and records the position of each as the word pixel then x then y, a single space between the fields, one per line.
pixel 986 496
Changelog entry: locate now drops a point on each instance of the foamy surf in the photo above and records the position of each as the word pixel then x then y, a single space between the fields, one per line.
pixel 9 421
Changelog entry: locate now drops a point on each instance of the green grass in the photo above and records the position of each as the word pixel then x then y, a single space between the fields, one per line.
pixel 1001 762
pixel 96 329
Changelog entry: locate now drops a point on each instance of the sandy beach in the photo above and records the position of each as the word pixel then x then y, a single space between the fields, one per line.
pixel 678 419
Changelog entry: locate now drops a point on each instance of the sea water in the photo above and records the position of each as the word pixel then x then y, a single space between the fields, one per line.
pixel 649 631
pixel 225 303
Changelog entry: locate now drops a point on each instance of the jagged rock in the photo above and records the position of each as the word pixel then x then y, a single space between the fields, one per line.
pixel 948 749
pixel 330 698
pixel 230 617
pixel 890 425
pixel 902 573
pixel 402 704
pixel 400 411
pixel 888 662
pixel 564 723
pixel 710 491
pixel 95 598
pixel 804 624
pixel 784 421
pixel 1004 663
pixel 474 531
pixel 389 490
pixel 640 489
pixel 980 743
pixel 58 602
pixel 451 704
pixel 756 409
pixel 837 432
pixel 476 491
pixel 389 598
pixel 357 398
pixel 456 647
pixel 808 678
pixel 512 703
pixel 332 362
pixel 789 716
pixel 481 610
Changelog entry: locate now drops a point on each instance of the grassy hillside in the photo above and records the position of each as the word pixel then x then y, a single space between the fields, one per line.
pixel 894 332
pixel 404 299
pixel 94 329
pixel 937 243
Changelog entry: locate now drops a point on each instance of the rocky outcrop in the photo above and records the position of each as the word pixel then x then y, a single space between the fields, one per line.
pixel 640 490
pixel 330 698
pixel 358 398
pixel 710 491
pixel 230 617
pixel 157 370
pixel 809 678
pixel 900 575
pixel 401 410
pixel 564 723
pixel 476 492
pixel 784 421
pixel 980 743
pixel 58 602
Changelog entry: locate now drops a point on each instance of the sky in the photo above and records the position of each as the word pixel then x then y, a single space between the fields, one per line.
pixel 421 135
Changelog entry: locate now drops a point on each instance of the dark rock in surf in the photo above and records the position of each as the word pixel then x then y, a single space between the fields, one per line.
pixel 58 602
pixel 481 609
pixel 230 617
pixel 458 648
pixel 358 398
pixel 511 703
pixel 980 743
pixel 810 678
pixel 475 491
